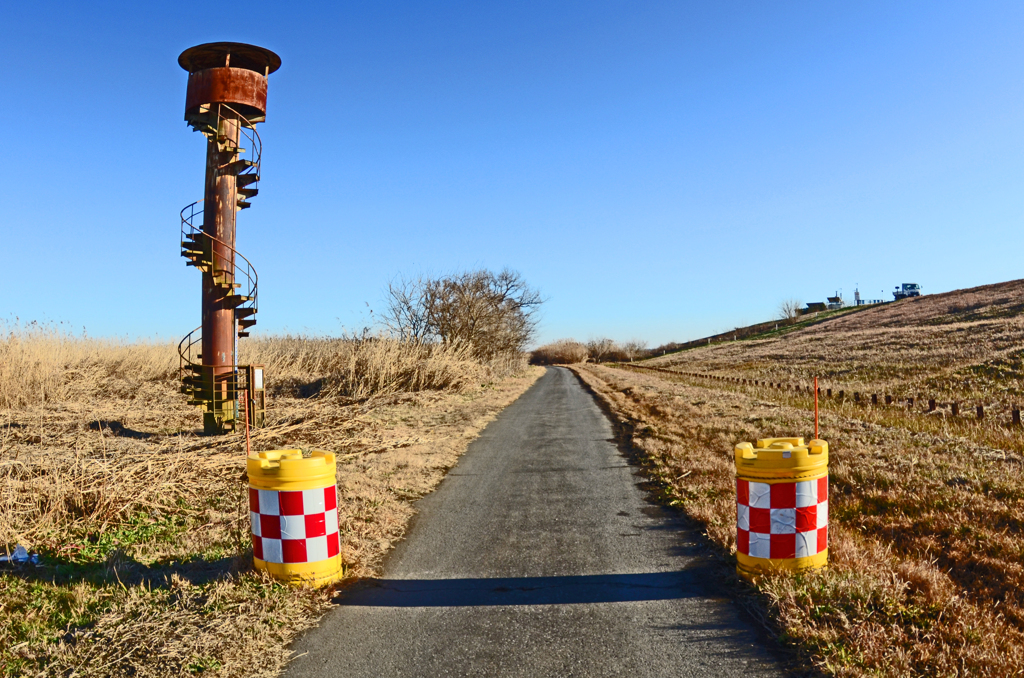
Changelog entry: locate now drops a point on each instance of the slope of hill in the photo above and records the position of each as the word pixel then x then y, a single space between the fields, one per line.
pixel 966 344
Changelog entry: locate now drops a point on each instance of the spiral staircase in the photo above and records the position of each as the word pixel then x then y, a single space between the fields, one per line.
pixel 235 283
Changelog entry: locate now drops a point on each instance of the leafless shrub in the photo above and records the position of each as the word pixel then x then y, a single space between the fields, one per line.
pixel 405 314
pixel 603 349
pixel 570 351
pixel 492 313
pixel 789 309
pixel 561 352
pixel 634 348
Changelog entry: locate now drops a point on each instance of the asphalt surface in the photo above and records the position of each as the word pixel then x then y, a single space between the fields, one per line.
pixel 538 555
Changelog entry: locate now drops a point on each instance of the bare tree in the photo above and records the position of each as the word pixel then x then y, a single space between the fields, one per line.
pixel 634 348
pixel 601 349
pixel 494 313
pixel 405 314
pixel 790 309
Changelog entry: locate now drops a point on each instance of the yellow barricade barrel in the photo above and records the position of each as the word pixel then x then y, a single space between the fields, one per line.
pixel 293 508
pixel 781 506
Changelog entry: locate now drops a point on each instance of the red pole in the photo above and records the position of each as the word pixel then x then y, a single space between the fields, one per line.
pixel 219 323
pixel 815 411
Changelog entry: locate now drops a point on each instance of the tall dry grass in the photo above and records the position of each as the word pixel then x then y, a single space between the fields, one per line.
pixel 142 521
pixel 99 478
pixel 41 363
pixel 365 367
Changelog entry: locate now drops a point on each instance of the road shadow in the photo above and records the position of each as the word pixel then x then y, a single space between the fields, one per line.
pixel 566 590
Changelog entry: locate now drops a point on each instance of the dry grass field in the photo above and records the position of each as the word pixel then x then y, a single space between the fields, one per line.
pixel 926 573
pixel 141 521
pixel 966 345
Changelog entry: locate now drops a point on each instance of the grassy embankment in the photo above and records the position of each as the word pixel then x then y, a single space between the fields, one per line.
pixel 926 574
pixel 142 523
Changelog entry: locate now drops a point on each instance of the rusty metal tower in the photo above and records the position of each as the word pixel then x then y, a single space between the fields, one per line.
pixel 226 98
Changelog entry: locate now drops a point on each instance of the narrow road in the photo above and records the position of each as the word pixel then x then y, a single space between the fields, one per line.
pixel 539 556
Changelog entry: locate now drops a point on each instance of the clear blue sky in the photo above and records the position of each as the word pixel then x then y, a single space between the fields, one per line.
pixel 657 170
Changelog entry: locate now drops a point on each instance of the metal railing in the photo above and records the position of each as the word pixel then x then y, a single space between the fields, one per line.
pixel 238 268
pixel 246 272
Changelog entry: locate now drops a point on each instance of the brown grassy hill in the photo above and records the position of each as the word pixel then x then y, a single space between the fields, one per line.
pixel 926 507
pixel 966 345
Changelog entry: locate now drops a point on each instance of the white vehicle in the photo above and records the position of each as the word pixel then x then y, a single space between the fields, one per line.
pixel 908 290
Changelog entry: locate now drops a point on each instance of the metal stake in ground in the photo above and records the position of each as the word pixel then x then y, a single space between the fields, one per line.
pixel 245 399
pixel 816 436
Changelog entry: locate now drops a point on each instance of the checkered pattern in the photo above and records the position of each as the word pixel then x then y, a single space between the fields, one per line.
pixel 783 520
pixel 294 527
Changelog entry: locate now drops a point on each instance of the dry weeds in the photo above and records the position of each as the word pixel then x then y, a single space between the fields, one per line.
pixel 966 345
pixel 926 574
pixel 141 520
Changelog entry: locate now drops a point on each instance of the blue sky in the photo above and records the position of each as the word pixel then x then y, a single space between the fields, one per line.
pixel 657 170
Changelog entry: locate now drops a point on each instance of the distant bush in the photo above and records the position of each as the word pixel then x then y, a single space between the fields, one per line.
pixel 493 314
pixel 561 352
pixel 570 351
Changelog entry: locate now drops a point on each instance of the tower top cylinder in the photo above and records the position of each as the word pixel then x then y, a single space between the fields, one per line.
pixel 233 54
pixel 231 73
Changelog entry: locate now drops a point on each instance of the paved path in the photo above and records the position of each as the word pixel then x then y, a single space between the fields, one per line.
pixel 539 556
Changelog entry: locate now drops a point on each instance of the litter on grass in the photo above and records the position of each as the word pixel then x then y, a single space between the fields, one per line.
pixel 20 556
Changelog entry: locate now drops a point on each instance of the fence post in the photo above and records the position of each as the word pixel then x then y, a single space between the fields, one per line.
pixel 955 409
pixel 828 392
pixel 981 411
pixel 888 400
pixel 874 398
pixel 1016 415
pixel 245 400
pixel 931 405
pixel 910 402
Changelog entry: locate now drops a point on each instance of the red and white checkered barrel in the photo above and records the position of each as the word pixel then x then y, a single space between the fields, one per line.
pixel 781 505
pixel 293 514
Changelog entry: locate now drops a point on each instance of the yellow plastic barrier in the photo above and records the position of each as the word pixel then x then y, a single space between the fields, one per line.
pixel 781 506
pixel 294 515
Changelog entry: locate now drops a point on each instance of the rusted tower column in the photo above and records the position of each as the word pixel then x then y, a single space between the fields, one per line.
pixel 227 96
